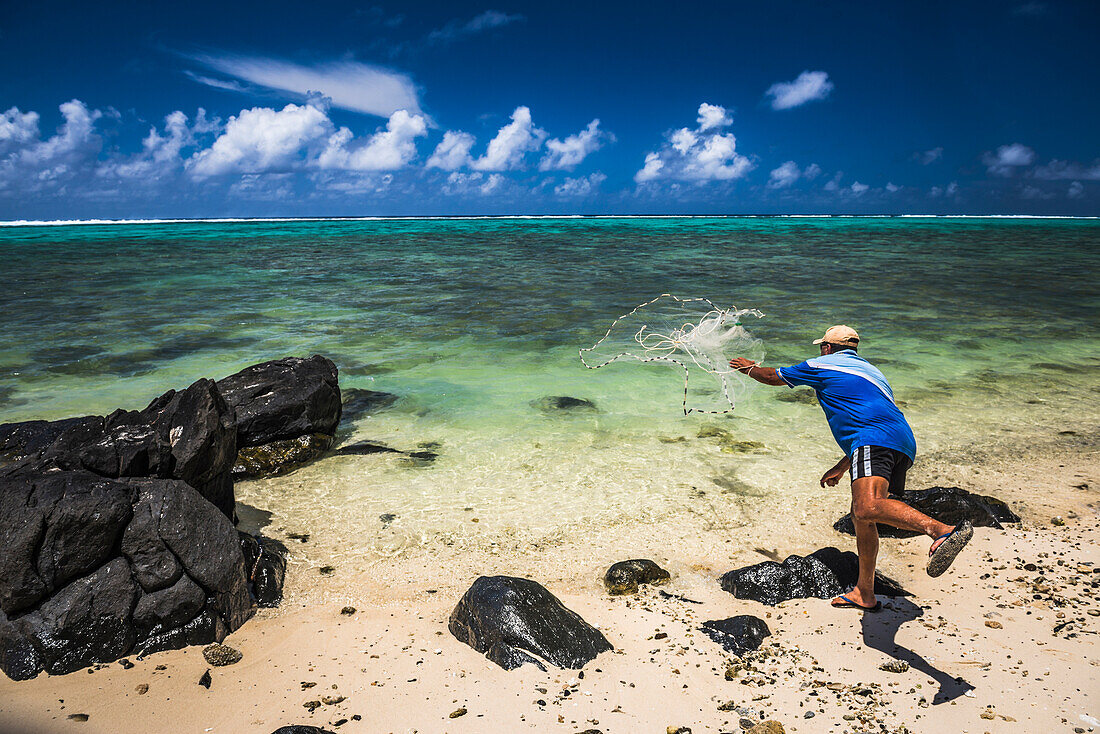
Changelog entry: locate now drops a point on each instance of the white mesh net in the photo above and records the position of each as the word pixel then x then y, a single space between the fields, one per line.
pixel 691 333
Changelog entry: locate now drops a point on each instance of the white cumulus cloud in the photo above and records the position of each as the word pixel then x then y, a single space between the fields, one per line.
pixel 453 152
pixel 702 154
pixel 386 150
pixel 1008 158
pixel 1076 190
pixel 784 175
pixel 809 86
pixel 34 164
pixel 567 154
pixel 350 85
pixel 580 187
pixel 476 183
pixel 713 116
pixel 262 140
pixel 512 143
pixel 859 189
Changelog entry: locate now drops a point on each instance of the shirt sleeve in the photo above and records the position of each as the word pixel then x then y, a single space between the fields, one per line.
pixel 800 374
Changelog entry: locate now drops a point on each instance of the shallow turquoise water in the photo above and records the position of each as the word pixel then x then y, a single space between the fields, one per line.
pixel 984 328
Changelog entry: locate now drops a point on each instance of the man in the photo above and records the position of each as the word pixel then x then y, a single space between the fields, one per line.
pixel 878 447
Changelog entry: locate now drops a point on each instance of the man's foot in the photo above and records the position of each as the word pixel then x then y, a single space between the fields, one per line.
pixel 855 600
pixel 946 547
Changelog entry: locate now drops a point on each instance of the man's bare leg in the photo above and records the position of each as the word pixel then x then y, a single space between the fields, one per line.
pixel 870 506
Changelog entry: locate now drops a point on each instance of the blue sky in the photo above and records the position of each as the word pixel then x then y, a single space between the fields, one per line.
pixel 125 110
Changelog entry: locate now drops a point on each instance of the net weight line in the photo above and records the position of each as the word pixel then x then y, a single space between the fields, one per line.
pixel 665 345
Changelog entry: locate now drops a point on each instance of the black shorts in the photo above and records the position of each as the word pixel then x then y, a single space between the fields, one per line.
pixel 878 461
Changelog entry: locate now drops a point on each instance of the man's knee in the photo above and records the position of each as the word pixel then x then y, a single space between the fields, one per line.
pixel 865 510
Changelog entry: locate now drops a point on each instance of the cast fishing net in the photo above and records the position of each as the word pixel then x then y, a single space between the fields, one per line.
pixel 692 334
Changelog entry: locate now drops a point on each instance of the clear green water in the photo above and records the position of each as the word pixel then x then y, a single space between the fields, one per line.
pixel 987 329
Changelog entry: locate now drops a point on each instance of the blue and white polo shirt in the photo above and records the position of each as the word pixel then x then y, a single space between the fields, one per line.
pixel 857 401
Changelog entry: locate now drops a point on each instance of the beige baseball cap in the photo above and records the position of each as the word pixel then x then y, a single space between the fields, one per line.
pixel 841 335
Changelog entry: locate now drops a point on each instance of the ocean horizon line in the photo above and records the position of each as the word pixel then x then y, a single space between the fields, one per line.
pixel 458 217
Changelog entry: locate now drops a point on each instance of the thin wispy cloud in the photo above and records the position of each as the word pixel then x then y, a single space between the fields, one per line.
pixel 809 86
pixel 457 29
pixel 928 157
pixel 349 85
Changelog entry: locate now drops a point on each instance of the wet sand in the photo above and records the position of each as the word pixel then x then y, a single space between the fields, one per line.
pixel 1006 641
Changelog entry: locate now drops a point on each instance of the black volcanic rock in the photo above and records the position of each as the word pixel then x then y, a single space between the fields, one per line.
pixel 283 399
pixel 265 563
pixel 738 635
pixel 517 621
pixel 359 402
pixel 280 457
pixel 20 440
pixel 188 435
pixel 563 403
pixel 824 574
pixel 95 568
pixel 624 577
pixel 949 505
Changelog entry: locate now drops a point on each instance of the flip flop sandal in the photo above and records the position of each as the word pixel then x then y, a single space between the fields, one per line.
pixel 849 604
pixel 940 559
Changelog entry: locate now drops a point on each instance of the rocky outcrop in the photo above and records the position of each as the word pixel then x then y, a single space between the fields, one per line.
pixel 115 531
pixel 563 403
pixel 188 435
pixel 20 440
pixel 280 457
pixel 284 398
pixel 823 574
pixel 949 505
pixel 624 577
pixel 265 564
pixel 516 621
pixel 738 635
pixel 95 568
pixel 287 412
pixel 301 729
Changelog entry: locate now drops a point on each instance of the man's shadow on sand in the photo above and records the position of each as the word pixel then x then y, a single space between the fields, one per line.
pixel 879 632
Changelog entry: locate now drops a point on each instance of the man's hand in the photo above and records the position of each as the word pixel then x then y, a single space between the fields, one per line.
pixel 833 476
pixel 741 364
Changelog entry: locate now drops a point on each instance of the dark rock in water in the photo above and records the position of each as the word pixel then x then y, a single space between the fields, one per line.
pixel 517 621
pixel 301 729
pixel 284 398
pixel 558 403
pixel 93 569
pixel 738 635
pixel 420 457
pixel 359 402
pixel 823 574
pixel 950 505
pixel 280 457
pixel 265 563
pixel 625 576
pixel 365 448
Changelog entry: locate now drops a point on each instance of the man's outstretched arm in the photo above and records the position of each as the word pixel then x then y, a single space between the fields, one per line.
pixel 766 375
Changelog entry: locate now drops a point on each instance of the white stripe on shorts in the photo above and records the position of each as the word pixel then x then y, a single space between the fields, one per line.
pixel 866 461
